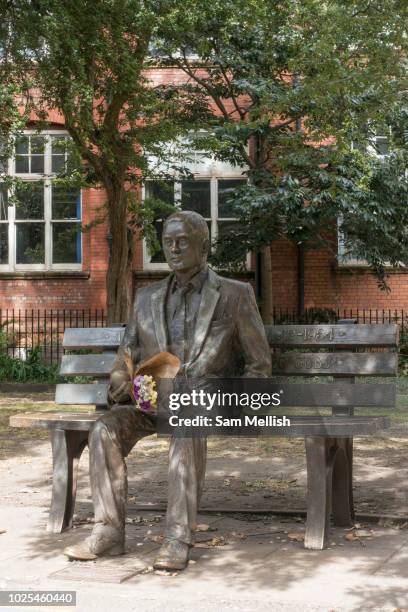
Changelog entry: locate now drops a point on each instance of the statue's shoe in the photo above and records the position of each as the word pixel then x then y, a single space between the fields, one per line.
pixel 173 555
pixel 83 552
pixel 104 540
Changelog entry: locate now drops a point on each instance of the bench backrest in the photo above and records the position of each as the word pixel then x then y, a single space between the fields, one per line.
pixel 342 359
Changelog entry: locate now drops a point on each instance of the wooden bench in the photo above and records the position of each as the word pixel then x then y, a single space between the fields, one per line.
pixel 328 439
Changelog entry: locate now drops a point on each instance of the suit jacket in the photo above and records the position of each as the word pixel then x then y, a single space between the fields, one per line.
pixel 229 336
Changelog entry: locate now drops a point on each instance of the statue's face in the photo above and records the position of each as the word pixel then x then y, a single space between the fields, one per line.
pixel 182 250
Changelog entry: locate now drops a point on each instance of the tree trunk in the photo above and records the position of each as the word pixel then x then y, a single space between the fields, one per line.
pixel 266 286
pixel 118 277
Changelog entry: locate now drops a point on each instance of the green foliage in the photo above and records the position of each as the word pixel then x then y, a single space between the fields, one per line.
pixel 6 338
pixel 34 369
pixel 299 82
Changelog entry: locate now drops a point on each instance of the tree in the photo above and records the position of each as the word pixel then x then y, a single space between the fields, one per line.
pixel 89 61
pixel 294 83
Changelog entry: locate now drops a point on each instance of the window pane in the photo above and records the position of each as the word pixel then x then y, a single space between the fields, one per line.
pixel 225 192
pixel 161 190
pixel 3 243
pixel 57 163
pixel 224 228
pixel 30 203
pixel 30 243
pixel 381 145
pixel 66 203
pixel 58 151
pixel 37 164
pixel 159 256
pixel 3 204
pixel 196 195
pixel 22 166
pixel 37 145
pixel 22 145
pixel 66 243
pixel 3 152
pixel 58 145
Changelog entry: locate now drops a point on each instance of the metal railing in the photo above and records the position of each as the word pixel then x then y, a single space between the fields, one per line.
pixel 23 330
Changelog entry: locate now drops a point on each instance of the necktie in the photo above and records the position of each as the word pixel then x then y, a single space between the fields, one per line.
pixel 179 329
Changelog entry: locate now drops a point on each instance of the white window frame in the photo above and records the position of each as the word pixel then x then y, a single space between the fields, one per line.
pixel 47 178
pixel 214 177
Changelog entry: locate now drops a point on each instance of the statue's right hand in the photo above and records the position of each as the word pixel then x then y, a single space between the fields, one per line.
pixel 119 390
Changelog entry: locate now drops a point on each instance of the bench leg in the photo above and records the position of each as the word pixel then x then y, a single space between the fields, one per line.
pixel 343 511
pixel 349 452
pixel 67 447
pixel 319 457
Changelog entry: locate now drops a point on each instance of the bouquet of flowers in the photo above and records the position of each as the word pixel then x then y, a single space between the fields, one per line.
pixel 144 385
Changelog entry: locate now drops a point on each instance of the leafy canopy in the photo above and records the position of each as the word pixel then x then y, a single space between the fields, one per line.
pixel 294 84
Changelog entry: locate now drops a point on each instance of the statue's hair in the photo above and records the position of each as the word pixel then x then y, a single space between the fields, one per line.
pixel 194 221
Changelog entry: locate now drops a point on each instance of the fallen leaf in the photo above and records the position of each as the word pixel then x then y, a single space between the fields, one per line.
pixel 296 537
pixel 211 543
pixel 351 537
pixel 357 534
pixel 155 538
pixel 205 527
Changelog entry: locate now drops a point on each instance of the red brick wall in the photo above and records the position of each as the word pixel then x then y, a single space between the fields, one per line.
pixel 327 285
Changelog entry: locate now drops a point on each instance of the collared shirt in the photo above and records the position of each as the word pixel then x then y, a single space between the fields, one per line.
pixel 182 305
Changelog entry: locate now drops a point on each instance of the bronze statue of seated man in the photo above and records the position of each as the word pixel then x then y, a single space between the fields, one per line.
pixel 207 321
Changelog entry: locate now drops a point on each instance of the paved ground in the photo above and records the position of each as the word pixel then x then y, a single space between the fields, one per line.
pixel 248 562
pixel 240 565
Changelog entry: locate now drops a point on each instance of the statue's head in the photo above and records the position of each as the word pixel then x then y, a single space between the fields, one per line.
pixel 186 241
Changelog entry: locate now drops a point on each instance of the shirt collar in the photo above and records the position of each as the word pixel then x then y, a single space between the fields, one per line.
pixel 196 281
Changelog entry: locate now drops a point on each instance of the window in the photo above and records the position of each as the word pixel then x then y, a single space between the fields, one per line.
pixel 4 226
pixel 205 195
pixel 40 220
pixel 376 145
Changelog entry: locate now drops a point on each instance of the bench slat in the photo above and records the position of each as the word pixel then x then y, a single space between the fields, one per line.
pixel 93 337
pixel 332 335
pixel 78 421
pixel 87 365
pixel 301 395
pixel 278 336
pixel 326 364
pixel 82 394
